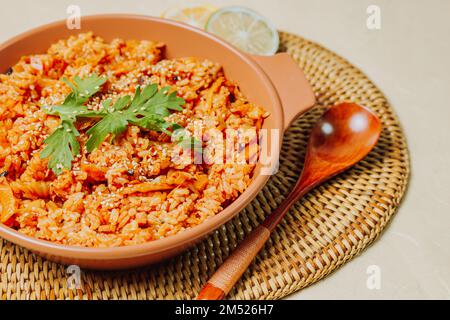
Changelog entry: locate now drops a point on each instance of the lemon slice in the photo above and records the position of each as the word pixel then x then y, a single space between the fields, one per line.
pixel 193 13
pixel 245 29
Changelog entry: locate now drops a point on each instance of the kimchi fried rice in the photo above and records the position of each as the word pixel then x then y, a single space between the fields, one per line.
pixel 127 191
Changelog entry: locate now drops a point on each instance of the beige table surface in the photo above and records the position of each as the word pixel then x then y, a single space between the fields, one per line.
pixel 409 59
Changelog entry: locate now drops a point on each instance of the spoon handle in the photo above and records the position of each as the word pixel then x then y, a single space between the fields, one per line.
pixel 235 265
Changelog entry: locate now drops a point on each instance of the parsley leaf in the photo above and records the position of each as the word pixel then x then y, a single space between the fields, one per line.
pixel 185 140
pixel 83 89
pixel 73 106
pixel 114 122
pixel 62 145
pixel 147 109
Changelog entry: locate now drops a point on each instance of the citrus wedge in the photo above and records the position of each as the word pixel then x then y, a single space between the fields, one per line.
pixel 193 13
pixel 245 29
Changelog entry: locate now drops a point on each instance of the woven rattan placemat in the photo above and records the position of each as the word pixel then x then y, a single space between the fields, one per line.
pixel 332 224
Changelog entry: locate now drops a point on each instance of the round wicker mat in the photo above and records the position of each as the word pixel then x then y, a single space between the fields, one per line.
pixel 332 224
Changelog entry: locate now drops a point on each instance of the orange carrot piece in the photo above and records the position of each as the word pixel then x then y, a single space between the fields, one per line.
pixel 93 171
pixel 7 202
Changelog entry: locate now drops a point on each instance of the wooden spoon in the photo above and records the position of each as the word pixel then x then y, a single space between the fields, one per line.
pixel 343 136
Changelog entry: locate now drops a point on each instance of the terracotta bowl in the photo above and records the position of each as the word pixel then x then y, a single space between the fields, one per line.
pixel 274 82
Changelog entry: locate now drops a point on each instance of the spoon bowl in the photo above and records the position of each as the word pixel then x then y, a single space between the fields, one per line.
pixel 344 134
pixel 342 137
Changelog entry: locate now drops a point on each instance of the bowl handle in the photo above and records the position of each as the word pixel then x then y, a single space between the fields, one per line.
pixel 293 88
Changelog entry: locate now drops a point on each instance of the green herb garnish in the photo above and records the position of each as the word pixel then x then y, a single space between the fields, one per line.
pixel 182 138
pixel 62 144
pixel 147 109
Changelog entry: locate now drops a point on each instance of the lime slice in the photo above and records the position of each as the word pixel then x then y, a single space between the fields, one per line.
pixel 245 29
pixel 195 14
